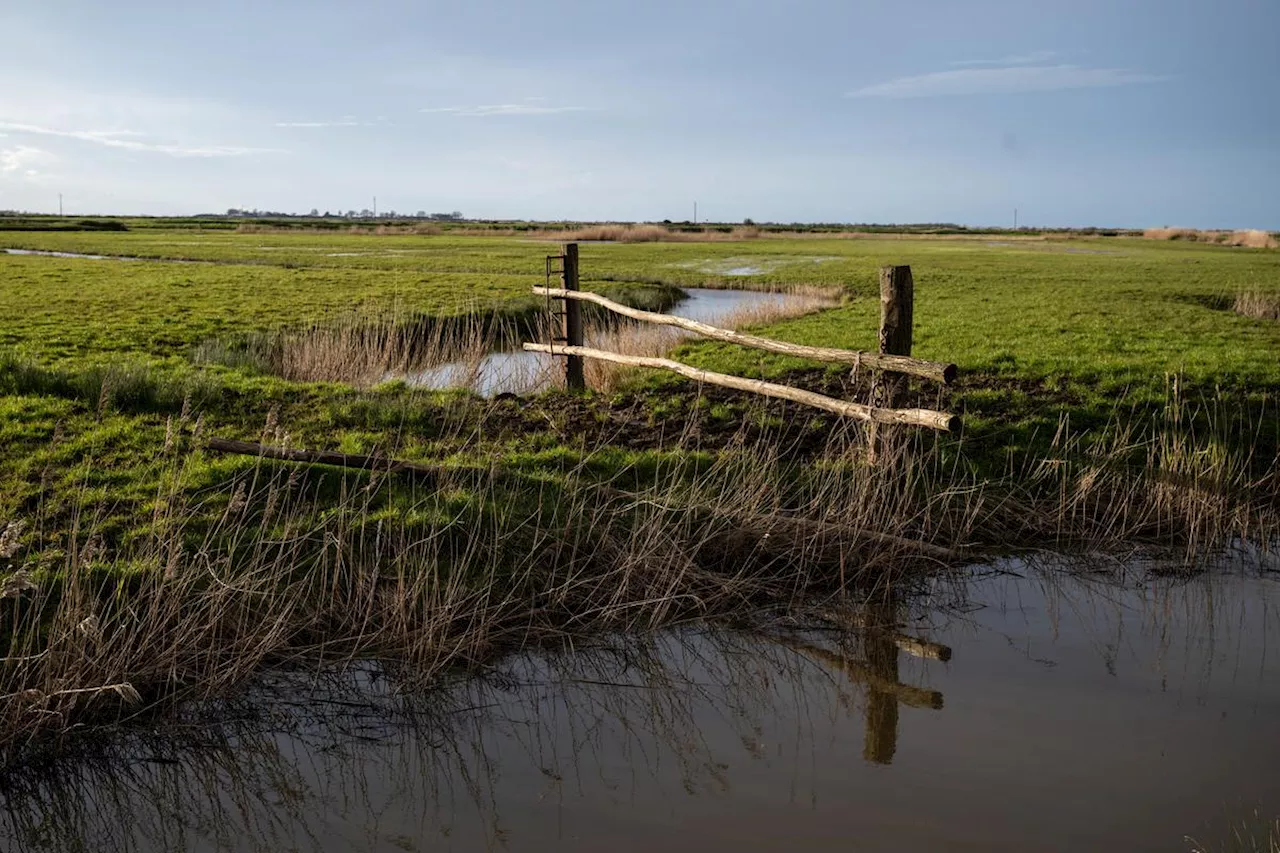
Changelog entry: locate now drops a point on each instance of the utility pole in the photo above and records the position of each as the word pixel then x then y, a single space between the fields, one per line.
pixel 375 207
pixel 1015 219
pixel 59 204
pixel 695 213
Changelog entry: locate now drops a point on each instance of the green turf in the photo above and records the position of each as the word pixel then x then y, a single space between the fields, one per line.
pixel 1039 329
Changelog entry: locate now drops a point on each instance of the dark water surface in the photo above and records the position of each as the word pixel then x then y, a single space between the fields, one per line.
pixel 1074 713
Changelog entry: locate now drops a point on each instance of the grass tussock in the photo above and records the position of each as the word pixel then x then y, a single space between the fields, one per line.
pixel 648 233
pixel 1255 303
pixel 1251 238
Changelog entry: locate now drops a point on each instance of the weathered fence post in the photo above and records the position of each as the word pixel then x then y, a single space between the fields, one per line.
pixel 897 295
pixel 573 376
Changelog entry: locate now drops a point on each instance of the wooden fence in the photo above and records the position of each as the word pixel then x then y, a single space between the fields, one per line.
pixel 893 362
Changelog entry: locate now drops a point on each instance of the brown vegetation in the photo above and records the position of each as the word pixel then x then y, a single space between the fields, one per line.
pixel 647 233
pixel 364 350
pixel 272 571
pixel 1255 303
pixel 1253 238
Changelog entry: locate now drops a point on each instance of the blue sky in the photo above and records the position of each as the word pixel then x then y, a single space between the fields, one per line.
pixel 1080 113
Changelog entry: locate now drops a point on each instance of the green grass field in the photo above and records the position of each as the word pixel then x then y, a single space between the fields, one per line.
pixel 1112 400
pixel 1041 329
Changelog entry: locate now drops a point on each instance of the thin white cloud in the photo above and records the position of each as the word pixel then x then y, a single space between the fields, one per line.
pixel 1004 81
pixel 342 123
pixel 112 139
pixel 525 109
pixel 1033 58
pixel 24 161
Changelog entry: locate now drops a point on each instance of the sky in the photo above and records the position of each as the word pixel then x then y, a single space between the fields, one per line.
pixel 1120 113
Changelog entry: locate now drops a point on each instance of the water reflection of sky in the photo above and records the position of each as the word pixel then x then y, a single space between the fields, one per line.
pixel 1071 715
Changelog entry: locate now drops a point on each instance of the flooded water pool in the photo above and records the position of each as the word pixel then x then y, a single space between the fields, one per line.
pixel 517 371
pixel 49 253
pixel 52 254
pixel 1046 711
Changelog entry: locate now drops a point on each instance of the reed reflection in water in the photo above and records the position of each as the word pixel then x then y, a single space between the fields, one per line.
pixel 1081 712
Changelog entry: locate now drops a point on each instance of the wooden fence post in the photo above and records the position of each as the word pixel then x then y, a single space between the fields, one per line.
pixel 897 295
pixel 573 375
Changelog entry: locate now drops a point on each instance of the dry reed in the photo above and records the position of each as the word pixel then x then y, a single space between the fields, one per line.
pixel 1252 238
pixel 472 351
pixel 284 575
pixel 647 233
pixel 1255 303
pixel 273 570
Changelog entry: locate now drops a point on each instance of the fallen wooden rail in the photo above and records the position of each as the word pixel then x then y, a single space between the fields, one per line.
pixel 937 371
pixel 916 417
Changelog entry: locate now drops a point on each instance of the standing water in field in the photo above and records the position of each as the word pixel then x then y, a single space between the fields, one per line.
pixel 1019 709
pixel 517 371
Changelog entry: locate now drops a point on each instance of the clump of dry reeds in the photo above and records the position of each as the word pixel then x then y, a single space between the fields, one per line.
pixel 1251 238
pixel 473 350
pixel 1169 480
pixel 1255 303
pixel 274 570
pixel 628 232
pixel 364 349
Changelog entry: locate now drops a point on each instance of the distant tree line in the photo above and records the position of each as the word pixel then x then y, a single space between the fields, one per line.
pixel 366 213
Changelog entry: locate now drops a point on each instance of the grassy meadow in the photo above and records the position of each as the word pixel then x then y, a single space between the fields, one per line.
pixel 103 352
pixel 1111 391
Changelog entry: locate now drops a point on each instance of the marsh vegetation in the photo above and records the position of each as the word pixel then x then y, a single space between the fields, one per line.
pixel 1115 406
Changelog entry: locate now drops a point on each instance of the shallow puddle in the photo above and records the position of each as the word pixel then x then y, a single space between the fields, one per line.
pixel 48 253
pixel 51 254
pixel 519 372
pixel 1071 713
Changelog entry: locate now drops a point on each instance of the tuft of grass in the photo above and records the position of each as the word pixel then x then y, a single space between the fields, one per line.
pixel 1255 303
pixel 1251 238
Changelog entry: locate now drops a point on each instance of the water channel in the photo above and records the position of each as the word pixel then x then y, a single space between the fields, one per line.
pixel 1016 708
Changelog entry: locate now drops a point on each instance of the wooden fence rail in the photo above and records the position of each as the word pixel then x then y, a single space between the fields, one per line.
pixel 893 362
pixel 937 371
pixel 914 417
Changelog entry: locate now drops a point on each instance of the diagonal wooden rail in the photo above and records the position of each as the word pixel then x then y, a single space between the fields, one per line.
pixel 917 417
pixel 937 371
